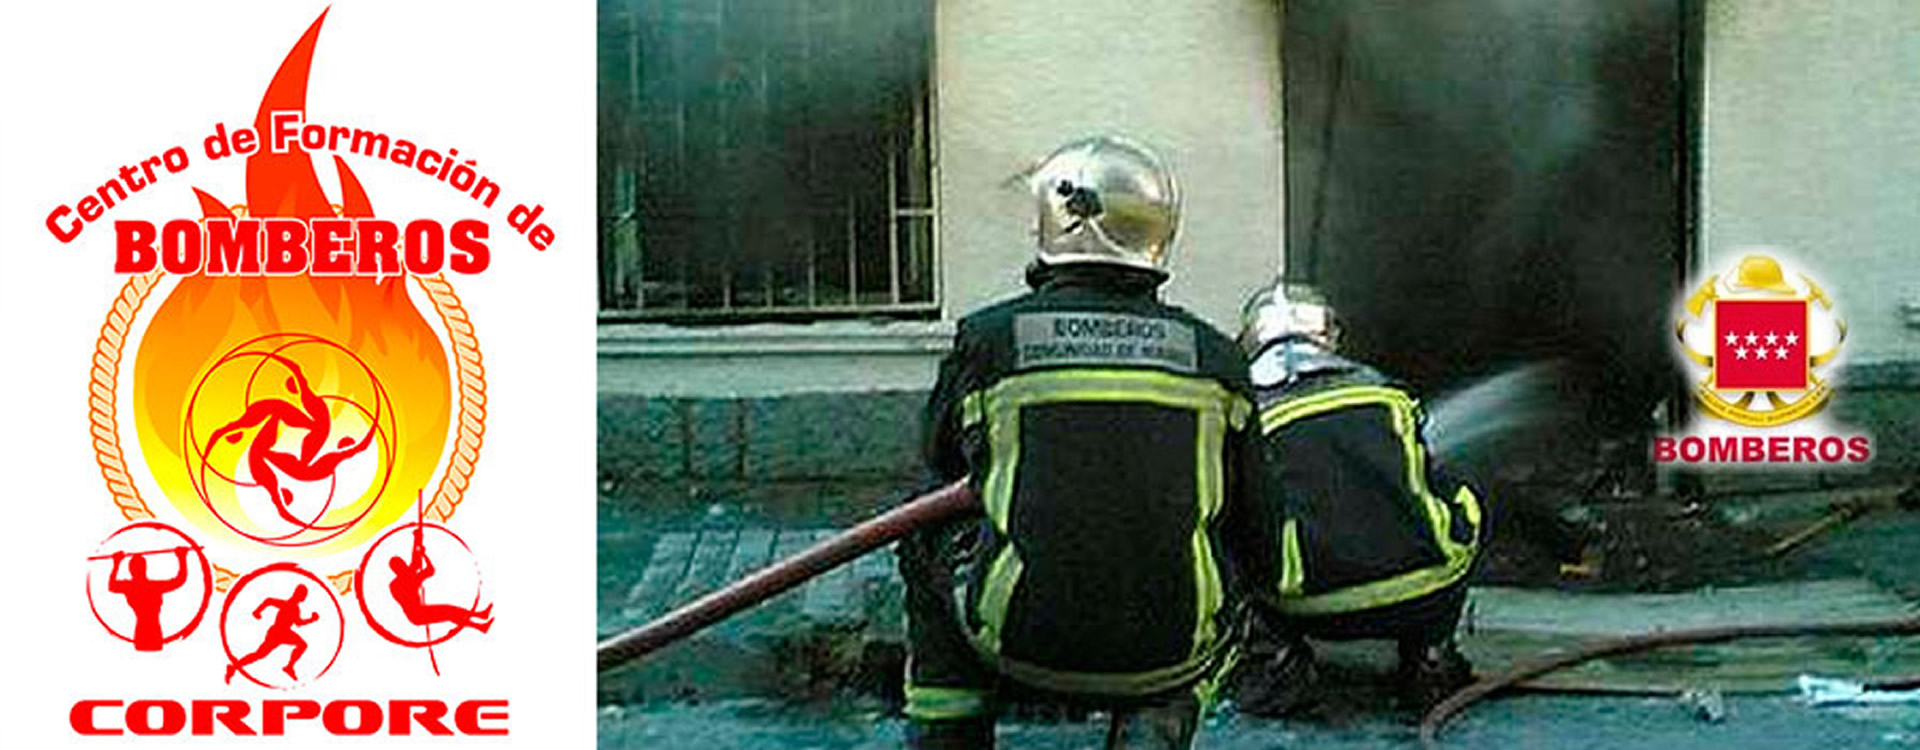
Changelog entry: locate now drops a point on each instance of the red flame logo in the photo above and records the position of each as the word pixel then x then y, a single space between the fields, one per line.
pixel 296 412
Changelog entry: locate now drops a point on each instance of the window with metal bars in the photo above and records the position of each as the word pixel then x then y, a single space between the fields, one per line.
pixel 766 160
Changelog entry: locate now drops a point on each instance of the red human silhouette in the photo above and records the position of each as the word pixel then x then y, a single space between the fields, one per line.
pixel 145 595
pixel 280 633
pixel 273 414
pixel 409 591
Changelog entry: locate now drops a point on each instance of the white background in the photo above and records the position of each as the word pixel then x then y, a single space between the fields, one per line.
pixel 87 87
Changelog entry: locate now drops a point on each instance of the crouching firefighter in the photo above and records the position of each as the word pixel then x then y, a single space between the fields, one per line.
pixel 1109 438
pixel 1375 542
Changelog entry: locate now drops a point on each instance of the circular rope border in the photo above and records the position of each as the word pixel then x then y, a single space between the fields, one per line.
pixel 471 429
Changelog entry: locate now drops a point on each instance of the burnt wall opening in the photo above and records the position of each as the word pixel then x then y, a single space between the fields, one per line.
pixel 1480 183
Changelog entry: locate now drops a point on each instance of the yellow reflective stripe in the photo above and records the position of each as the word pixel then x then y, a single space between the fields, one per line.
pixel 1000 407
pixel 1439 514
pixel 986 642
pixel 1293 572
pixel 1180 675
pixel 1207 690
pixel 971 409
pixel 1470 504
pixel 1458 556
pixel 1379 593
pixel 1338 398
pixel 1216 409
pixel 1238 413
pixel 1440 523
pixel 996 595
pixel 1209 487
pixel 933 703
pixel 1207 591
pixel 1144 386
pixel 1003 442
pixel 1210 490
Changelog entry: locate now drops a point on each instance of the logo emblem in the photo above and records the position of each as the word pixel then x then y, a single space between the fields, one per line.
pixel 281 605
pixel 306 435
pixel 149 585
pixel 1761 367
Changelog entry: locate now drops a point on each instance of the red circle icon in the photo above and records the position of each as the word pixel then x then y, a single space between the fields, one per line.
pixel 393 587
pixel 279 613
pixel 141 565
pixel 268 438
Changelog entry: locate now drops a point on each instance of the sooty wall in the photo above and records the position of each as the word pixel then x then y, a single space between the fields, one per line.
pixel 1481 182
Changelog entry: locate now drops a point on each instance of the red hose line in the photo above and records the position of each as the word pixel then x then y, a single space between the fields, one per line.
pixel 939 505
pixel 1437 718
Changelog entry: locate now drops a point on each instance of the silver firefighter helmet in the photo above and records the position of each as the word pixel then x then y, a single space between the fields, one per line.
pixel 1105 199
pixel 1289 330
pixel 1287 310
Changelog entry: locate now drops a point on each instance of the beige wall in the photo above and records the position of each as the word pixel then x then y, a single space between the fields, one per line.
pixel 1198 81
pixel 1813 144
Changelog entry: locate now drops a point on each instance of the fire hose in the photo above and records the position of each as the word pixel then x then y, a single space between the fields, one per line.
pixel 1907 498
pixel 957 499
pixel 947 502
pixel 1437 718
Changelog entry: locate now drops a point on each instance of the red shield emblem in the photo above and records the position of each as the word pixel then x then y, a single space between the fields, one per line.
pixel 1760 345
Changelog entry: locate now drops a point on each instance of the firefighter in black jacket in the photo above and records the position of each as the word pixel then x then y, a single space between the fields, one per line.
pixel 1109 437
pixel 1375 541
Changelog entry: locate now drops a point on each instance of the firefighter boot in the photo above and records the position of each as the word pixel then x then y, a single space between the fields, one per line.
pixel 1164 725
pixel 1429 672
pixel 1277 683
pixel 975 733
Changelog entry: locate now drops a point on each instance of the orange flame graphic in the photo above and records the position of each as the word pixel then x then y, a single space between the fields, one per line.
pixel 291 411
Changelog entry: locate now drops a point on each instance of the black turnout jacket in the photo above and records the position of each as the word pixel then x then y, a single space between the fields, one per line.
pixel 1366 520
pixel 1109 436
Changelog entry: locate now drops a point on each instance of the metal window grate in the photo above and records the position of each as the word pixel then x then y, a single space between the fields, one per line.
pixel 766 160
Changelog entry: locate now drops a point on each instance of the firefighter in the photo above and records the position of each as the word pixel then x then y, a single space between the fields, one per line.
pixel 1109 437
pixel 1375 541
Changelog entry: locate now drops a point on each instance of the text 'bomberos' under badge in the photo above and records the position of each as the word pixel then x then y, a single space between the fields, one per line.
pixel 1048 339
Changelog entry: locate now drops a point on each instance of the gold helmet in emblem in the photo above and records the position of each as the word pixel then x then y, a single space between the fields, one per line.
pixel 1761 274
